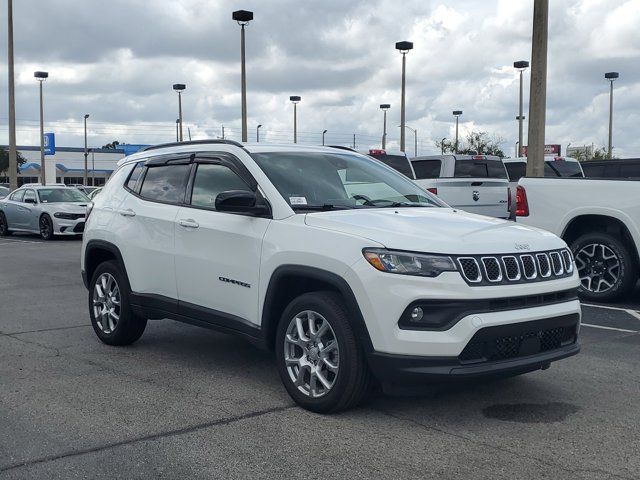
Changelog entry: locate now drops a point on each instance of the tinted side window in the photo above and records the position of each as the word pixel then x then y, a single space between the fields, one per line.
pixel 135 176
pixel 516 170
pixel 479 169
pixel 210 181
pixel 29 194
pixel 593 170
pixel 630 170
pixel 17 196
pixel 427 168
pixel 166 183
pixel 397 162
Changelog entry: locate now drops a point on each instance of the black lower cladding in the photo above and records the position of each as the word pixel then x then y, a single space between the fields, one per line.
pixel 79 228
pixel 500 350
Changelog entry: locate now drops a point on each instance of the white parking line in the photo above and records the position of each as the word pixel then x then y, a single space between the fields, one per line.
pixel 633 313
pixel 609 328
pixel 9 241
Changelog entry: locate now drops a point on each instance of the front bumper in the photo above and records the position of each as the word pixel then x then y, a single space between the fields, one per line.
pixel 63 226
pixel 493 351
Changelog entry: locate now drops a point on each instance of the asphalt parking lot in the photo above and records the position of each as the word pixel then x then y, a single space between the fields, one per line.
pixel 184 402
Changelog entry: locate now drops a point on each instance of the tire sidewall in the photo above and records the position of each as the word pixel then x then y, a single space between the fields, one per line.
pixel 347 345
pixel 47 218
pixel 627 267
pixel 4 225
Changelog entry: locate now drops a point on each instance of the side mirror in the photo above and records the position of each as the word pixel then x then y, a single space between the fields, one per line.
pixel 30 200
pixel 240 201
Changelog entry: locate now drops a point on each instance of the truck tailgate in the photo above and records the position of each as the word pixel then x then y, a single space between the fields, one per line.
pixel 484 196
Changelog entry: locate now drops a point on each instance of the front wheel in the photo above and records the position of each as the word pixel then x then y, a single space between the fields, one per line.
pixel 4 226
pixel 111 316
pixel 605 265
pixel 46 227
pixel 320 361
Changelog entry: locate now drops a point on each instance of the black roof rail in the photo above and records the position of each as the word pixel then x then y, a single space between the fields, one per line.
pixel 194 142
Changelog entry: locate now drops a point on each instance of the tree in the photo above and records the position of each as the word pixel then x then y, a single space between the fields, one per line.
pixel 475 143
pixel 4 160
pixel 112 145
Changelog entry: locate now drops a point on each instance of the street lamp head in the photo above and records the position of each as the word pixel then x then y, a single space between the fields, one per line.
pixel 404 46
pixel 457 113
pixel 385 106
pixel 179 87
pixel 611 75
pixel 86 115
pixel 242 16
pixel 177 121
pixel 259 126
pixel 41 75
pixel 521 64
pixel 324 131
pixel 295 98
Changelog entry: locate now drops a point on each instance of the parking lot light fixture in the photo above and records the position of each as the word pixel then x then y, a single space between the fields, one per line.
pixel 457 113
pixel 86 152
pixel 295 99
pixel 611 76
pixel 179 87
pixel 323 133
pixel 41 77
pixel 177 129
pixel 384 107
pixel 520 65
pixel 403 47
pixel 243 17
pixel 258 133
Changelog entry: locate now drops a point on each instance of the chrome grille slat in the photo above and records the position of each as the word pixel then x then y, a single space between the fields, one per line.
pixel 556 263
pixel 529 267
pixel 469 266
pixel 544 266
pixel 511 268
pixel 492 269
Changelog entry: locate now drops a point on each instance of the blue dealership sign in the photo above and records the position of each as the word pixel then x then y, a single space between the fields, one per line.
pixel 49 144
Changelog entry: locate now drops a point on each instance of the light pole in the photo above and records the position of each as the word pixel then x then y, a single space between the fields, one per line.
pixel 403 47
pixel 258 133
pixel 566 151
pixel 243 17
pixel 415 140
pixel 611 76
pixel 13 154
pixel 457 113
pixel 295 99
pixel 179 87
pixel 521 66
pixel 442 145
pixel 93 168
pixel 384 107
pixel 323 132
pixel 41 77
pixel 517 154
pixel 86 152
pixel 177 131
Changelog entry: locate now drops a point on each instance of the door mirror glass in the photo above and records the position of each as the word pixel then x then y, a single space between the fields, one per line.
pixel 30 200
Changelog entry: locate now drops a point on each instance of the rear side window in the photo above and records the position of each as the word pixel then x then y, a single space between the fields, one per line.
pixel 564 169
pixel 427 168
pixel 17 196
pixel 479 169
pixel 210 181
pixel 397 162
pixel 166 183
pixel 630 170
pixel 516 170
pixel 135 176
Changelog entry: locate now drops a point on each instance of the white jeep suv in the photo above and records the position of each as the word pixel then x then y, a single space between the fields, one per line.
pixel 345 268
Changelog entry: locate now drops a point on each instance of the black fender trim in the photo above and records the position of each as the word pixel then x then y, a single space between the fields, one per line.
pixel 355 315
pixel 101 245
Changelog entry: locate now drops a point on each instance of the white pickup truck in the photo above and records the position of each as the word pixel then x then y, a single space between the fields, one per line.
pixel 599 220
pixel 474 183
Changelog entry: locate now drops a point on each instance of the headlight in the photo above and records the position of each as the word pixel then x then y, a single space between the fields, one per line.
pixel 66 216
pixel 406 263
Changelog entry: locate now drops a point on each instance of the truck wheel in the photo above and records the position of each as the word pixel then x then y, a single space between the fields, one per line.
pixel 109 307
pixel 606 267
pixel 321 363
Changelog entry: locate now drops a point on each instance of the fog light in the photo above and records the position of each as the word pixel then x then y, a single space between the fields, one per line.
pixel 416 314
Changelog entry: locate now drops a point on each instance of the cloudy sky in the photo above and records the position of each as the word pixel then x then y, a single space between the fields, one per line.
pixel 117 60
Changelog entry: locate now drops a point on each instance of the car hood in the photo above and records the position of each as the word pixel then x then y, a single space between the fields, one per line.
pixel 436 230
pixel 69 207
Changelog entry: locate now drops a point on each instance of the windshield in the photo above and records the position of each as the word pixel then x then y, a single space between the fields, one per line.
pixel 339 180
pixel 56 195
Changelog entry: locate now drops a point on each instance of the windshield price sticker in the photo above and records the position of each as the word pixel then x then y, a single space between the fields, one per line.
pixel 298 200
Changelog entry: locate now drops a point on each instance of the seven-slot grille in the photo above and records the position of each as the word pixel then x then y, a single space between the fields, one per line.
pixel 515 268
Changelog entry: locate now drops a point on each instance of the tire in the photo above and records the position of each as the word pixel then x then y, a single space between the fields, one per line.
pixel 348 382
pixel 127 327
pixel 46 227
pixel 606 267
pixel 4 226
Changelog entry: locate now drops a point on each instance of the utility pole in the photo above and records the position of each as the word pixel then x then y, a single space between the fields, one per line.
pixel 538 89
pixel 403 47
pixel 611 76
pixel 354 141
pixel 222 132
pixel 41 77
pixel 13 153
pixel 520 65
pixel 86 152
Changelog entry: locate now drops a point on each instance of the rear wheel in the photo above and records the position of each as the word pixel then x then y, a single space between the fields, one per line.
pixel 4 226
pixel 606 267
pixel 46 227
pixel 320 361
pixel 111 316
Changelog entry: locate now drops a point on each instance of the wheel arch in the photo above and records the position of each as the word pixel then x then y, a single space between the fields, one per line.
pixel 98 251
pixel 289 281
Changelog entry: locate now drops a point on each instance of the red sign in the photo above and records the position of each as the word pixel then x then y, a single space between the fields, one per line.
pixel 548 150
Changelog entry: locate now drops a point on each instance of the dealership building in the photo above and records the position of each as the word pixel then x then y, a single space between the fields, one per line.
pixel 69 164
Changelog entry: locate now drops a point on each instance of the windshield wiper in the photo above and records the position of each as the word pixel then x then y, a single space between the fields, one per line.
pixel 391 204
pixel 322 208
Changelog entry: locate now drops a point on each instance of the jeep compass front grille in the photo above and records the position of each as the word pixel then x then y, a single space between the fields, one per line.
pixel 516 268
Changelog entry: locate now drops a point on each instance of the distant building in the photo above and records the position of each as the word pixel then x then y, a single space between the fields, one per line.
pixel 69 162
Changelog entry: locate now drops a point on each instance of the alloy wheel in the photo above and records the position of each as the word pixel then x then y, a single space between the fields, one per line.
pixel 312 355
pixel 106 303
pixel 598 266
pixel 45 227
pixel 3 225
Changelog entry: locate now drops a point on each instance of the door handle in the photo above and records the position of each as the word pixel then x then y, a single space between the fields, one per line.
pixel 188 223
pixel 127 213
